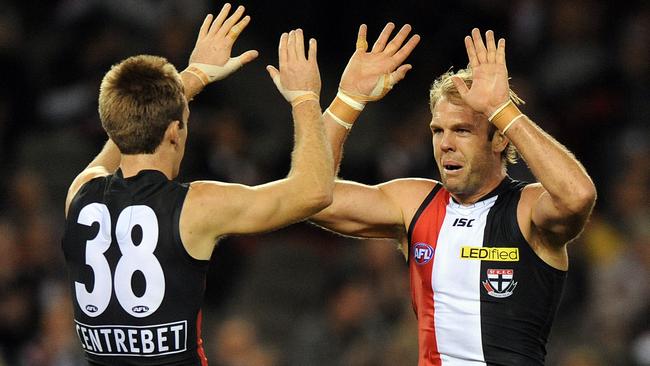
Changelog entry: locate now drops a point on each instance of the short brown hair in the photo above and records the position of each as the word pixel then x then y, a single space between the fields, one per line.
pixel 138 99
pixel 444 87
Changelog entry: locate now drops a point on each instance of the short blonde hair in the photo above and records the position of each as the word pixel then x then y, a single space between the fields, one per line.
pixel 138 99
pixel 444 87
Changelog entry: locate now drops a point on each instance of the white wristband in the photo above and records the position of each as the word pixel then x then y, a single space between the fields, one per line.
pixel 341 122
pixel 349 101
pixel 511 123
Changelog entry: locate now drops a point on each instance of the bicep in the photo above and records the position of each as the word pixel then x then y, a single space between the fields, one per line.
pixel 225 209
pixel 544 215
pixel 363 211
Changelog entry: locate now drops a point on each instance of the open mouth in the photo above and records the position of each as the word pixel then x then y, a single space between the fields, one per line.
pixel 452 167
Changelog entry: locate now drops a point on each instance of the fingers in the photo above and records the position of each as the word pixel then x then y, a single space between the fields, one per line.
pixel 312 50
pixel 405 51
pixel 282 50
pixel 220 18
pixel 291 46
pixel 300 44
pixel 479 46
pixel 362 43
pixel 205 27
pixel 273 72
pixel 471 52
pixel 491 46
pixel 248 56
pixel 227 25
pixel 501 52
pixel 380 43
pixel 399 74
pixel 397 41
pixel 236 29
pixel 460 85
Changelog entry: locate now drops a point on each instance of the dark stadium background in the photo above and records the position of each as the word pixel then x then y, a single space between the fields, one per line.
pixel 302 296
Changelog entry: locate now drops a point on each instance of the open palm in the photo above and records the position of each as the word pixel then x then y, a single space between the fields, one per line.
pixel 490 87
pixel 365 69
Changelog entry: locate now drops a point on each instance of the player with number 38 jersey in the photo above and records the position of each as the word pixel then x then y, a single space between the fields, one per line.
pixel 133 245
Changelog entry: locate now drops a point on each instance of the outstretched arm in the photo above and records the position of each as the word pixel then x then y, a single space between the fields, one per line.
pixel 368 76
pixel 559 206
pixel 216 209
pixel 211 58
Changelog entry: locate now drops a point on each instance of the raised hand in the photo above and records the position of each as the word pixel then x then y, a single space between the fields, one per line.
pixel 217 35
pixel 370 75
pixel 490 88
pixel 298 75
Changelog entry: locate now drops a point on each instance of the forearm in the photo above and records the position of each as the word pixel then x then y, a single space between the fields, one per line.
pixel 559 172
pixel 192 85
pixel 108 158
pixel 311 164
pixel 339 119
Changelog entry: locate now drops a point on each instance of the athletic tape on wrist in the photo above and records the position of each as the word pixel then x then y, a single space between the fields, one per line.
pixel 505 115
pixel 292 95
pixel 512 122
pixel 349 101
pixel 502 107
pixel 382 87
pixel 336 119
pixel 209 73
pixel 303 98
pixel 203 78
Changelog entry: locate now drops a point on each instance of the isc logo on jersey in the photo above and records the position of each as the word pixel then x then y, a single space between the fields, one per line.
pixel 422 253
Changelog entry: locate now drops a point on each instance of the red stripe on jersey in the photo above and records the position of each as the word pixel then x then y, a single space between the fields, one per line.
pixel 426 231
pixel 199 341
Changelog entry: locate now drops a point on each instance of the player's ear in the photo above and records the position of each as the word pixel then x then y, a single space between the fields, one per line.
pixel 499 142
pixel 172 134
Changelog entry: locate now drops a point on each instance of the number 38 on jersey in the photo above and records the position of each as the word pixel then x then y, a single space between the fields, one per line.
pixel 134 258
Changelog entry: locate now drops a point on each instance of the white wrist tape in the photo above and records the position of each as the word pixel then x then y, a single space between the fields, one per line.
pixel 336 119
pixel 294 97
pixel 349 101
pixel 512 122
pixel 382 87
pixel 209 73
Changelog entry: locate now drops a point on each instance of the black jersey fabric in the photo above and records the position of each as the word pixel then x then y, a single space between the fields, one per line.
pixel 136 291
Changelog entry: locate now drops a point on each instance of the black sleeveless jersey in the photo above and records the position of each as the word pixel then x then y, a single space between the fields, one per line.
pixel 136 291
pixel 480 293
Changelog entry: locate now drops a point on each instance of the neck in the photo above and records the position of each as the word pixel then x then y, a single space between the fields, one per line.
pixel 489 184
pixel 132 164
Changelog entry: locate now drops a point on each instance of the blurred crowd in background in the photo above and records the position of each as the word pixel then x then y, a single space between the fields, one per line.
pixel 303 296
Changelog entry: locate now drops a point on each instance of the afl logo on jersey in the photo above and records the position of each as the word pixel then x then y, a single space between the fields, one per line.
pixel 140 309
pixel 91 308
pixel 422 253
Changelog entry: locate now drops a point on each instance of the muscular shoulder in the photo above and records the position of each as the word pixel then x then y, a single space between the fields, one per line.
pixel 84 177
pixel 409 194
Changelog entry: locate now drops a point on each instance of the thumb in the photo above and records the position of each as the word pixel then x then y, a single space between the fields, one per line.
pixel 248 56
pixel 400 73
pixel 275 76
pixel 460 85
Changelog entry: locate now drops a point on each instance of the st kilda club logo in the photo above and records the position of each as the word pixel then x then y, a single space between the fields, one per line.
pixel 499 282
pixel 422 253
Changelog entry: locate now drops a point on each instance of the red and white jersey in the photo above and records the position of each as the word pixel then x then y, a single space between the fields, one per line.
pixel 480 293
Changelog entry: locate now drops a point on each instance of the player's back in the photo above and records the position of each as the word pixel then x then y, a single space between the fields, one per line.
pixel 136 291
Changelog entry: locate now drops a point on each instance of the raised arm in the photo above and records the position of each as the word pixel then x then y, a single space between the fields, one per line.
pixel 361 210
pixel 556 209
pixel 368 76
pixel 216 209
pixel 210 61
